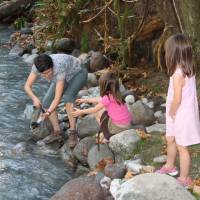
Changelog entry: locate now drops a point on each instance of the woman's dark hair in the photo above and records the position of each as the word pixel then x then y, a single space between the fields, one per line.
pixel 178 52
pixel 43 62
pixel 109 84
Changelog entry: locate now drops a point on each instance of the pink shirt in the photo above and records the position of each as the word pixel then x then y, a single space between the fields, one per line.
pixel 118 113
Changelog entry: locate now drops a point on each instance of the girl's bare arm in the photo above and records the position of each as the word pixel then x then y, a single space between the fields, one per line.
pixel 178 83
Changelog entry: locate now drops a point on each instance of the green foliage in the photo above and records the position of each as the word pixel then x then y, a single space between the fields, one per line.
pixel 84 42
pixel 55 19
pixel 122 18
pixel 19 23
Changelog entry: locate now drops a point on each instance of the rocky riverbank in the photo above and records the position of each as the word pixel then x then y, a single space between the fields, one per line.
pixel 119 170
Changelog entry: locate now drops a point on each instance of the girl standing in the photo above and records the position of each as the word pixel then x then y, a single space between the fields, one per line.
pixel 110 111
pixel 182 114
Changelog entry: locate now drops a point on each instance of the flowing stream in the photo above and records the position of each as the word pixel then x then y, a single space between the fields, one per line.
pixel 29 175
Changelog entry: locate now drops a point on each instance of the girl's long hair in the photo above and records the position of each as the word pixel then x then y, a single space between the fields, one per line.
pixel 178 52
pixel 109 84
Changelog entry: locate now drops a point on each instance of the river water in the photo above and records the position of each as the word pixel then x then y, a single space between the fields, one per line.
pixel 28 175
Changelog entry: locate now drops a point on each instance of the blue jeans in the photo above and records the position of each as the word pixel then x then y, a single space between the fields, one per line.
pixel 71 88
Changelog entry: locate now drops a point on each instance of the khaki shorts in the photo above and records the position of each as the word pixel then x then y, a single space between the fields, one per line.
pixel 108 128
pixel 114 129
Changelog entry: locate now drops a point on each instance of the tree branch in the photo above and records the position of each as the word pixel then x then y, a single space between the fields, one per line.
pixel 91 19
pixel 177 16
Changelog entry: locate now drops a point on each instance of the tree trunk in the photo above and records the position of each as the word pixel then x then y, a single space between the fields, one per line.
pixel 185 14
pixel 14 8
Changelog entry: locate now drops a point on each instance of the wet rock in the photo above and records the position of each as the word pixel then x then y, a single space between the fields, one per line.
pixel 25 56
pixel 19 148
pixel 82 148
pixel 161 128
pixel 64 45
pixel 114 171
pixel 28 111
pixel 82 188
pixel 30 59
pixel 48 150
pixel 152 186
pixel 16 51
pixel 81 170
pixel 87 126
pixel 142 114
pixel 95 156
pixel 123 144
pixel 3 167
pixel 68 156
pixel 44 129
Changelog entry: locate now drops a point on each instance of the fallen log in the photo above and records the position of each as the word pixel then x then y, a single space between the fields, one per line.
pixel 14 8
pixel 154 24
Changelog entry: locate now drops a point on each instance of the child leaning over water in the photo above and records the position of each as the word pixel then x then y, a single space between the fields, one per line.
pixel 182 113
pixel 110 110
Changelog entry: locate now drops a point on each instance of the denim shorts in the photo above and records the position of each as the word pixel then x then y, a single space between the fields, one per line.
pixel 71 88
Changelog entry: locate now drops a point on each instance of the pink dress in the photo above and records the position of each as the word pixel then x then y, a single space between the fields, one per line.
pixel 186 126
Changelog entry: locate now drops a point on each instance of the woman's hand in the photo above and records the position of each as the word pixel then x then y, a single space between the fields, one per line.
pixel 77 112
pixel 36 102
pixel 45 115
pixel 80 101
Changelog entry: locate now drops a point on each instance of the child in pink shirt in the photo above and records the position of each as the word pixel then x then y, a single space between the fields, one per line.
pixel 110 110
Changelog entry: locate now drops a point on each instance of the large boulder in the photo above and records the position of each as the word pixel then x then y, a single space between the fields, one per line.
pixel 96 155
pixel 87 126
pixel 82 148
pixel 142 114
pixel 97 61
pixel 64 45
pixel 82 188
pixel 41 131
pixel 123 144
pixel 152 186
